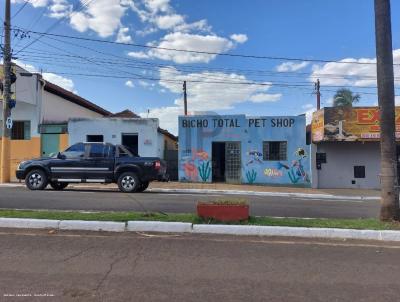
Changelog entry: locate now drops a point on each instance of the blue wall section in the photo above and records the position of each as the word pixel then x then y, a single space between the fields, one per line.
pixel 196 134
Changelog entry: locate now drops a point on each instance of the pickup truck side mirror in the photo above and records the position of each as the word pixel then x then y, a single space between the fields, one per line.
pixel 61 156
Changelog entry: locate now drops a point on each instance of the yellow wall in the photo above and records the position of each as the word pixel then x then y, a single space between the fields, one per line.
pixel 63 142
pixel 21 150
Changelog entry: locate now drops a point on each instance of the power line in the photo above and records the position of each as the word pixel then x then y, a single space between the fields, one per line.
pixel 201 52
pixel 21 8
pixel 102 63
pixel 47 32
pixel 144 65
pixel 190 68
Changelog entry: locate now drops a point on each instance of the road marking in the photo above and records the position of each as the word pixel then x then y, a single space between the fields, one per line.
pixel 197 238
pixel 327 199
pixel 183 194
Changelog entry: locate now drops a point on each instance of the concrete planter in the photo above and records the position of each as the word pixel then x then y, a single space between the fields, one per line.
pixel 223 212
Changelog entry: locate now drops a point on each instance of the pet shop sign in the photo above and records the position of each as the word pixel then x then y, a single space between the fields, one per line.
pixel 235 123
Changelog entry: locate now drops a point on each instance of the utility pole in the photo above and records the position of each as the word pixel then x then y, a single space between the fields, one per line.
pixel 318 93
pixel 384 60
pixel 5 144
pixel 184 97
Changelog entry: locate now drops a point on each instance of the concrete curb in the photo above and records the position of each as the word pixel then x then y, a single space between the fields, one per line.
pixel 159 226
pixel 24 223
pixel 181 227
pixel 296 232
pixel 274 194
pixel 107 226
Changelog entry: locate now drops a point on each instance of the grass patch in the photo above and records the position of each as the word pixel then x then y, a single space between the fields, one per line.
pixel 367 224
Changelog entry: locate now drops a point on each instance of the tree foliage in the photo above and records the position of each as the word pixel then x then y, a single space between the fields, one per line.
pixel 345 97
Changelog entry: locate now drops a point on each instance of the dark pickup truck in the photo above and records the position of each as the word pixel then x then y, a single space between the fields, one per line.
pixel 93 163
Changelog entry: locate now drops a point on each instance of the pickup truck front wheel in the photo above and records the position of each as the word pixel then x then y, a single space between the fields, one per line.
pixel 128 182
pixel 36 180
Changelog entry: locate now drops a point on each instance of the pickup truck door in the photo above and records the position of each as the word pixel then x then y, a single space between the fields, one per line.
pixel 69 167
pixel 99 162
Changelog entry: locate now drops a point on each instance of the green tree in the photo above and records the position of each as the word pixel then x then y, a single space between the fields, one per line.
pixel 345 97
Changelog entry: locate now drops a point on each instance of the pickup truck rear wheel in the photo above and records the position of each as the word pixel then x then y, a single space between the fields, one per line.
pixel 143 186
pixel 128 182
pixel 36 180
pixel 58 186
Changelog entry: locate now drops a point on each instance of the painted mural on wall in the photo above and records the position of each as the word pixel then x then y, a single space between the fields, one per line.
pixel 197 133
pixel 196 165
pixel 349 124
pixel 296 170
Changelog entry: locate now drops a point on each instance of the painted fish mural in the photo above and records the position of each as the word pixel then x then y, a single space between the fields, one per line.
pixel 190 171
pixel 255 157
pixel 199 154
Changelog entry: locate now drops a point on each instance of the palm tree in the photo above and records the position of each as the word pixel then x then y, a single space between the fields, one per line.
pixel 345 97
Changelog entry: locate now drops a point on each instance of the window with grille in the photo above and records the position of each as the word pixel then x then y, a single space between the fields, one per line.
pixel 21 130
pixel 275 150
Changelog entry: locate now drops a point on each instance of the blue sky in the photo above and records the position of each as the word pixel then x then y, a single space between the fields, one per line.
pixel 330 29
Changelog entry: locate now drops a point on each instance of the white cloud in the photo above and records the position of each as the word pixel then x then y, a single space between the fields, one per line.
pixel 204 95
pixel 156 6
pixel 346 73
pixel 60 9
pixel 27 67
pixel 169 21
pixel 101 16
pixel 123 35
pixel 168 117
pixel 138 54
pixel 61 81
pixel 265 97
pixel 309 109
pixel 184 41
pixel 143 83
pixel 129 83
pixel 291 66
pixel 397 100
pixel 307 106
pixel 34 3
pixel 239 38
pixel 201 25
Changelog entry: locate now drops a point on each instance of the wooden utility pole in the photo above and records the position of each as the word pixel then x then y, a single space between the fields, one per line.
pixel 384 60
pixel 317 88
pixel 184 97
pixel 5 143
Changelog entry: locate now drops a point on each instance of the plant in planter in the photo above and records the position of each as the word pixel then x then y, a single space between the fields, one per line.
pixel 224 210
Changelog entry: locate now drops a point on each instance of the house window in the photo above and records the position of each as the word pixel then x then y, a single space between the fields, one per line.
pixel 359 171
pixel 275 150
pixel 21 130
pixel 94 138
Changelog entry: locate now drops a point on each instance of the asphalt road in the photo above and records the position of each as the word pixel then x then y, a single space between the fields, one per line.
pixel 142 267
pixel 112 200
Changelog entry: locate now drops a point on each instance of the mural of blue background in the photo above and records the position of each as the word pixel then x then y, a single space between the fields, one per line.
pixel 197 133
